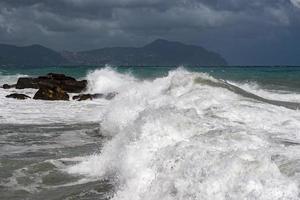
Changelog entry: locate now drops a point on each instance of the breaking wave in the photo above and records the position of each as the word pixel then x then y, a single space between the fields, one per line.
pixel 191 136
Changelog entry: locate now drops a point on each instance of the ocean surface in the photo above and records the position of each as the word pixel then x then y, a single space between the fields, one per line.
pixel 184 133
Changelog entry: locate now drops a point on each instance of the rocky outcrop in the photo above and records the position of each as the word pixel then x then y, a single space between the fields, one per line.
pixel 59 77
pixel 74 86
pixel 27 82
pixel 6 86
pixel 51 94
pixel 66 83
pixel 18 96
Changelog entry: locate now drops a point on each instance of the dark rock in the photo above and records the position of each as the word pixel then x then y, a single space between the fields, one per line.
pixel 98 96
pixel 110 96
pixel 42 77
pixel 27 83
pixel 60 77
pixel 51 93
pixel 73 86
pixel 83 97
pixel 48 84
pixel 66 83
pixel 18 96
pixel 51 80
pixel 6 86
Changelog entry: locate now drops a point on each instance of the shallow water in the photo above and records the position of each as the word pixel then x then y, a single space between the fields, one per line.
pixel 228 133
pixel 33 159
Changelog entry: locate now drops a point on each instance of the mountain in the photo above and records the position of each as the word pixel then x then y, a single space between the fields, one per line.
pixel 158 53
pixel 34 55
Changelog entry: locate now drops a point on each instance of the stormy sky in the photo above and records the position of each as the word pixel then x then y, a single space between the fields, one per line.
pixel 245 32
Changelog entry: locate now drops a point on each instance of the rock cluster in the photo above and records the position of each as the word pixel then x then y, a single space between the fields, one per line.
pixel 54 87
pixel 66 83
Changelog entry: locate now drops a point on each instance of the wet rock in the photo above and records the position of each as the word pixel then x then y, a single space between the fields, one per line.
pixel 66 83
pixel 74 86
pixel 27 82
pixel 47 83
pixel 83 97
pixel 18 96
pixel 60 77
pixel 110 95
pixel 6 86
pixel 51 94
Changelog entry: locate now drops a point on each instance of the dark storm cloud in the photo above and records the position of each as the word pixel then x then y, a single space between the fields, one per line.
pixel 244 31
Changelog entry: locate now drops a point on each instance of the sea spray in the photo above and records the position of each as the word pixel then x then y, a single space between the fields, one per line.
pixel 176 138
pixel 10 79
pixel 107 80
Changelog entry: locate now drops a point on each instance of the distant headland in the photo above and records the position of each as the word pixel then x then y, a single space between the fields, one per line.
pixel 157 53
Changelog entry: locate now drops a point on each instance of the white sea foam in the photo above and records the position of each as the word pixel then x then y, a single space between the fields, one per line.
pixel 177 138
pixel 10 79
pixel 40 112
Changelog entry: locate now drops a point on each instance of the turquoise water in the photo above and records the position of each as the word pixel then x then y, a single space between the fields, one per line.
pixel 285 78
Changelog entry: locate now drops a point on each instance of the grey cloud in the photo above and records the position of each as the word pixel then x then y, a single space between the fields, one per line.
pixel 88 24
pixel 296 3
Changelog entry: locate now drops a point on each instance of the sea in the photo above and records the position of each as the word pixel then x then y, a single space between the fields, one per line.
pixel 170 133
